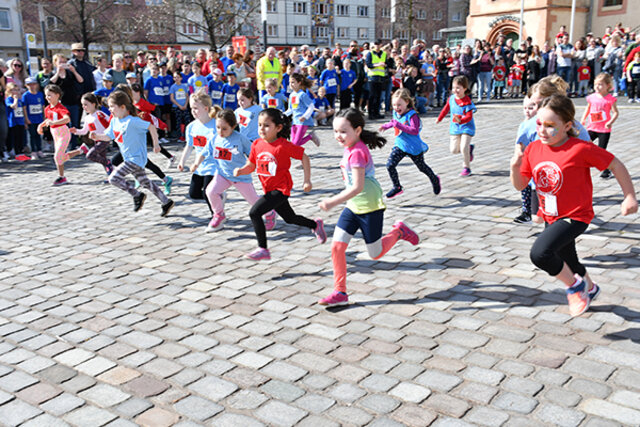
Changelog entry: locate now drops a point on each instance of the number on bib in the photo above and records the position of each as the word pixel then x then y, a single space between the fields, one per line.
pixel 222 153
pixel 199 141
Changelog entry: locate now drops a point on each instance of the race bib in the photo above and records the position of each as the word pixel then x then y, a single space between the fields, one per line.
pixel 272 103
pixel 35 109
pixel 158 91
pixel 223 154
pixel 294 101
pixel 165 91
pixel 230 97
pixel 396 131
pixel 199 141
pixel 216 94
pixel 266 167
pixel 635 70
pixel 549 204
pixel 19 112
pixel 92 127
pixel 243 120
pixel 331 82
pixel 181 95
pixel 597 117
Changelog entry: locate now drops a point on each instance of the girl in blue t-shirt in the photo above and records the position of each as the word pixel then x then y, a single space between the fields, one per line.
pixel 198 133
pixel 329 80
pixel 179 95
pixel 301 106
pixel 273 98
pixel 363 195
pixel 129 132
pixel 247 114
pixel 33 101
pixel 15 117
pixel 407 125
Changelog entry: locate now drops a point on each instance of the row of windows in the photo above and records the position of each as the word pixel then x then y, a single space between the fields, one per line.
pixel 303 31
pixel 420 14
pixel 300 8
pixel 404 35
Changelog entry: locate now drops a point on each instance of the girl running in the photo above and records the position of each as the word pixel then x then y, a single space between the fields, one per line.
pixel 363 194
pixel 301 106
pixel 129 132
pixel 56 119
pixel 560 164
pixel 601 113
pixel 407 125
pixel 462 127
pixel 94 121
pixel 247 114
pixel 198 133
pixel 271 156
pixel 273 98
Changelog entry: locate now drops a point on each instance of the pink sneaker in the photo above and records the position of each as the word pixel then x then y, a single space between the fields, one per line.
pixel 84 148
pixel 319 231
pixel 406 233
pixel 259 254
pixel 270 220
pixel 336 298
pixel 216 223
pixel 465 172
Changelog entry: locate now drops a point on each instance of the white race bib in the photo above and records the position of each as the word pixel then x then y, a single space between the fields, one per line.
pixel 550 204
pixel 216 94
pixel 181 95
pixel 230 97
pixel 158 91
pixel 331 82
pixel 35 109
pixel 18 112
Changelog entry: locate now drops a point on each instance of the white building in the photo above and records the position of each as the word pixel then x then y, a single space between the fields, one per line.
pixel 320 23
pixel 12 43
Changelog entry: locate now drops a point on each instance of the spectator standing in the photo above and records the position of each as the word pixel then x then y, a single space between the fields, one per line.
pixel 268 67
pixel 227 60
pixel 44 76
pixel 376 61
pixel 117 72
pixel 98 73
pixel 70 82
pixel 80 62
pixel 17 74
pixel 564 58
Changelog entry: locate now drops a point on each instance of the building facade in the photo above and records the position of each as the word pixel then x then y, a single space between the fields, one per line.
pixel 414 19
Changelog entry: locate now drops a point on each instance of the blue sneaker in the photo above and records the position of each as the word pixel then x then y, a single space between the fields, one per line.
pixel 594 292
pixel 167 186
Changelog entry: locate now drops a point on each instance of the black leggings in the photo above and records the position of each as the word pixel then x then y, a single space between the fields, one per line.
pixel 556 245
pixel 197 188
pixel 117 159
pixel 275 200
pixel 603 138
pixel 163 150
pixel 15 139
pixel 397 155
pixel 345 99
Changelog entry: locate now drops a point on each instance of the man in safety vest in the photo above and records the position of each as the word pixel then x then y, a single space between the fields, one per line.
pixel 377 69
pixel 268 67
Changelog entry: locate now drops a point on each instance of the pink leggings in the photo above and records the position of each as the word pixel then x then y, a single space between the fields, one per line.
pixel 297 134
pixel 61 139
pixel 219 185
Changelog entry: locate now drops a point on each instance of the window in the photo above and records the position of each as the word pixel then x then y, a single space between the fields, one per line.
pixel 401 13
pixel 5 19
pixel 153 2
pixel 122 2
pixel 608 3
pixel 385 12
pixel 420 35
pixel 272 6
pixel 127 26
pixel 189 28
pixel 321 9
pixel 52 24
pixel 363 33
pixel 342 32
pixel 457 17
pixel 342 10
pixel 403 35
pixel 437 15
pixel 363 10
pixel 157 27
pixel 300 31
pixel 437 35
pixel 300 8
pixel 386 34
pixel 322 32
pixel 272 30
pixel 422 14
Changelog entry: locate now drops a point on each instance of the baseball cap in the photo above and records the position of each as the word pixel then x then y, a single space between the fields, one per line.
pixel 107 77
pixel 217 71
pixel 131 75
pixel 30 80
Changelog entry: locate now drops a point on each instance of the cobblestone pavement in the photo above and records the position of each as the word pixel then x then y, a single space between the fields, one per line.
pixel 110 317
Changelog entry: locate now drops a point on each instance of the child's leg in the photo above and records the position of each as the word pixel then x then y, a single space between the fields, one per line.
pixel 98 153
pixel 214 191
pixel 61 139
pixel 454 144
pixel 163 150
pixel 155 169
pixel 248 191
pixel 297 132
pixel 418 160
pixel 263 205
pixel 117 178
pixel 371 226
pixel 526 199
pixel 197 188
pixel 144 181
pixel 465 146
pixel 286 212
pixel 395 157
pixel 603 139
pixel 345 229
pixel 307 138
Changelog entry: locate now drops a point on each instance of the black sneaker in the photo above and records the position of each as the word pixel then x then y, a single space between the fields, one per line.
pixel 395 191
pixel 605 174
pixel 138 201
pixel 523 218
pixel 594 292
pixel 437 187
pixel 166 208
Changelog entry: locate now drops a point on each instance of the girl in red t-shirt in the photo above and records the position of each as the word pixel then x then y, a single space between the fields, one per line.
pixel 560 164
pixel 270 157
pixel 56 118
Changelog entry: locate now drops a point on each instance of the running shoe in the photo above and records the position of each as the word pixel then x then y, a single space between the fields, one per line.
pixel 406 233
pixel 319 231
pixel 315 139
pixel 163 140
pixel 578 298
pixel 465 172
pixel 334 299
pixel 259 254
pixel 138 201
pixel 216 223
pixel 605 174
pixel 270 220
pixel 523 218
pixel 166 208
pixel 437 187
pixel 84 148
pixel 167 186
pixel 471 147
pixel 594 292
pixel 108 169
pixel 170 162
pixel 61 180
pixel 395 191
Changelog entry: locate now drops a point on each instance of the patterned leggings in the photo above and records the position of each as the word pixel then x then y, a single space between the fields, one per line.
pixel 397 155
pixel 126 168
pixel 61 139
pixel 526 199
pixel 98 153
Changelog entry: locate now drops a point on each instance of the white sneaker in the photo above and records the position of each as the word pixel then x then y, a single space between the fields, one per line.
pixel 34 156
pixel 637 100
pixel 12 153
pixel 5 156
pixel 163 140
pixel 615 94
pixel 631 101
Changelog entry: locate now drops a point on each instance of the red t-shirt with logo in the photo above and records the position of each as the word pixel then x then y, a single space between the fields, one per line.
pixel 563 178
pixel 273 161
pixel 56 113
pixel 584 73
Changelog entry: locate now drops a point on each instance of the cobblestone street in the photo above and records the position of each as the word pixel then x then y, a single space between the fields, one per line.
pixel 110 317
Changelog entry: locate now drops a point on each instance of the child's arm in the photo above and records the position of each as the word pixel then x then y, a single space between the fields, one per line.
pixel 630 203
pixel 346 194
pixel 196 163
pixel 185 155
pixel 154 137
pixel 99 137
pixel 27 122
pixel 307 114
pixel 614 116
pixel 244 170
pixel 306 168
pixel 14 104
pixel 517 179
pixel 583 120
pixel 173 101
pixel 444 112
pixel 63 121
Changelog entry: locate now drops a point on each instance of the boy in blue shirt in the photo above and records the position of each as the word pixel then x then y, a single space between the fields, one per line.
pixel 323 107
pixel 347 81
pixel 329 80
pixel 154 88
pixel 15 117
pixel 215 87
pixel 229 92
pixel 103 93
pixel 179 95
pixel 167 82
pixel 33 102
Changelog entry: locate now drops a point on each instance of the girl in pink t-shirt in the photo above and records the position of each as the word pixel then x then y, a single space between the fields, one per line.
pixel 600 113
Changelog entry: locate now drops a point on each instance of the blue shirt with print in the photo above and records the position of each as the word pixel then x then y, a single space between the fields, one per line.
pixel 15 116
pixel 230 153
pixel 156 90
pixel 180 94
pixel 198 135
pixel 34 103
pixel 130 135
pixel 230 96
pixel 215 91
pixel 248 121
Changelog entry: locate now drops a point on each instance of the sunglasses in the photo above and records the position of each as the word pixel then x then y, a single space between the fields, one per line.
pixel 17 65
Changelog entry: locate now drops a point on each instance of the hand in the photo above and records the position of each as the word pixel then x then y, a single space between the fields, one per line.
pixel 437 121
pixel 71 68
pixel 325 205
pixel 40 129
pixel 156 148
pixel 181 167
pixel 306 187
pixel 455 118
pixel 629 205
pixel 516 160
pixel 607 125
pixel 93 135
pixel 537 219
pixel 192 168
pixel 236 172
pixel 73 130
pixel 381 128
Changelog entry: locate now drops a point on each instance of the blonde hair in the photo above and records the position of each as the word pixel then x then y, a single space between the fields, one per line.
pixel 117 56
pixel 202 97
pixel 550 85
pixel 57 57
pixel 271 82
pixel 405 95
pixel 11 86
pixel 606 78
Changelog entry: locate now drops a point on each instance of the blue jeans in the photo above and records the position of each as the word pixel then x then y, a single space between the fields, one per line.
pixel 74 115
pixel 34 138
pixel 385 97
pixel 565 73
pixel 484 84
pixel 442 88
pixel 421 103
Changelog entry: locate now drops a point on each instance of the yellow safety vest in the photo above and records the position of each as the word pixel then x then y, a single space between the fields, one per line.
pixel 380 70
pixel 271 71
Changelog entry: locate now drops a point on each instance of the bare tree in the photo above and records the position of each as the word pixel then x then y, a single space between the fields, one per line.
pixel 82 20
